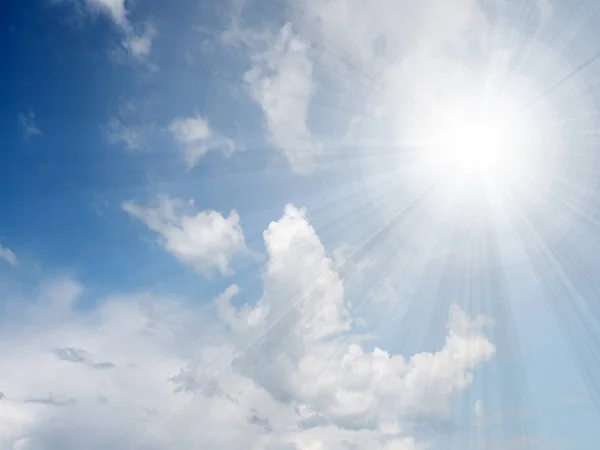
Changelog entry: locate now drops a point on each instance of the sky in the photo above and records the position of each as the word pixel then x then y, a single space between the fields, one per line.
pixel 299 224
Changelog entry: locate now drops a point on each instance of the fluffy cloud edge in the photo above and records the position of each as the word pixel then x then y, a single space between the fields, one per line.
pixel 204 241
pixel 144 369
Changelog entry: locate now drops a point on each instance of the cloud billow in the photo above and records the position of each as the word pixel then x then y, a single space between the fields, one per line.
pixel 284 372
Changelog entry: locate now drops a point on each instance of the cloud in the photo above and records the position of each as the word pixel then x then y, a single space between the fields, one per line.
pixel 281 83
pixel 119 133
pixel 397 62
pixel 361 50
pixel 138 43
pixel 8 256
pixel 408 55
pixel 114 8
pixel 133 126
pixel 301 351
pixel 204 241
pixel 80 356
pixel 28 125
pixel 196 139
pixel 299 379
pixel 71 354
pixel 50 400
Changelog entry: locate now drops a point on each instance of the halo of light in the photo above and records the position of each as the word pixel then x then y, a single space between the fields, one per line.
pixel 496 157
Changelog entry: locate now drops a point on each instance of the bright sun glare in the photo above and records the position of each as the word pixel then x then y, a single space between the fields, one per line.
pixel 481 148
pixel 471 146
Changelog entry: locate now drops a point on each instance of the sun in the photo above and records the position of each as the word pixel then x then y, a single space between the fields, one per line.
pixel 473 145
pixel 471 148
pixel 477 147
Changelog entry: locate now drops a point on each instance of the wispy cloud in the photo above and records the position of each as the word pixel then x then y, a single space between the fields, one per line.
pixel 50 401
pixel 196 139
pixel 80 356
pixel 140 45
pixel 136 39
pixel 130 136
pixel 28 125
pixel 8 256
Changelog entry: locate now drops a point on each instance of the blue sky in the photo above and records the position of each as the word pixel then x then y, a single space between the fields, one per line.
pixel 279 225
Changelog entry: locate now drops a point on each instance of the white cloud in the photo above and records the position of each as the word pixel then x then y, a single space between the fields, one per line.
pixel 204 241
pixel 114 8
pixel 397 60
pixel 129 136
pixel 8 255
pixel 385 32
pixel 28 125
pixel 359 43
pixel 141 370
pixel 281 83
pixel 407 53
pixel 301 351
pixel 196 138
pixel 139 44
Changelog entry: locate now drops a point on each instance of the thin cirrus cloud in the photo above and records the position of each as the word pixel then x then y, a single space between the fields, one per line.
pixel 8 256
pixel 28 125
pixel 193 136
pixel 284 373
pixel 205 240
pixel 131 137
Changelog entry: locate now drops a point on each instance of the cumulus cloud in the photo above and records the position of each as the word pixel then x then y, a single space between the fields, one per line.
pixel 8 256
pixel 28 125
pixel 301 351
pixel 281 83
pixel 204 241
pixel 196 139
pixel 283 373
